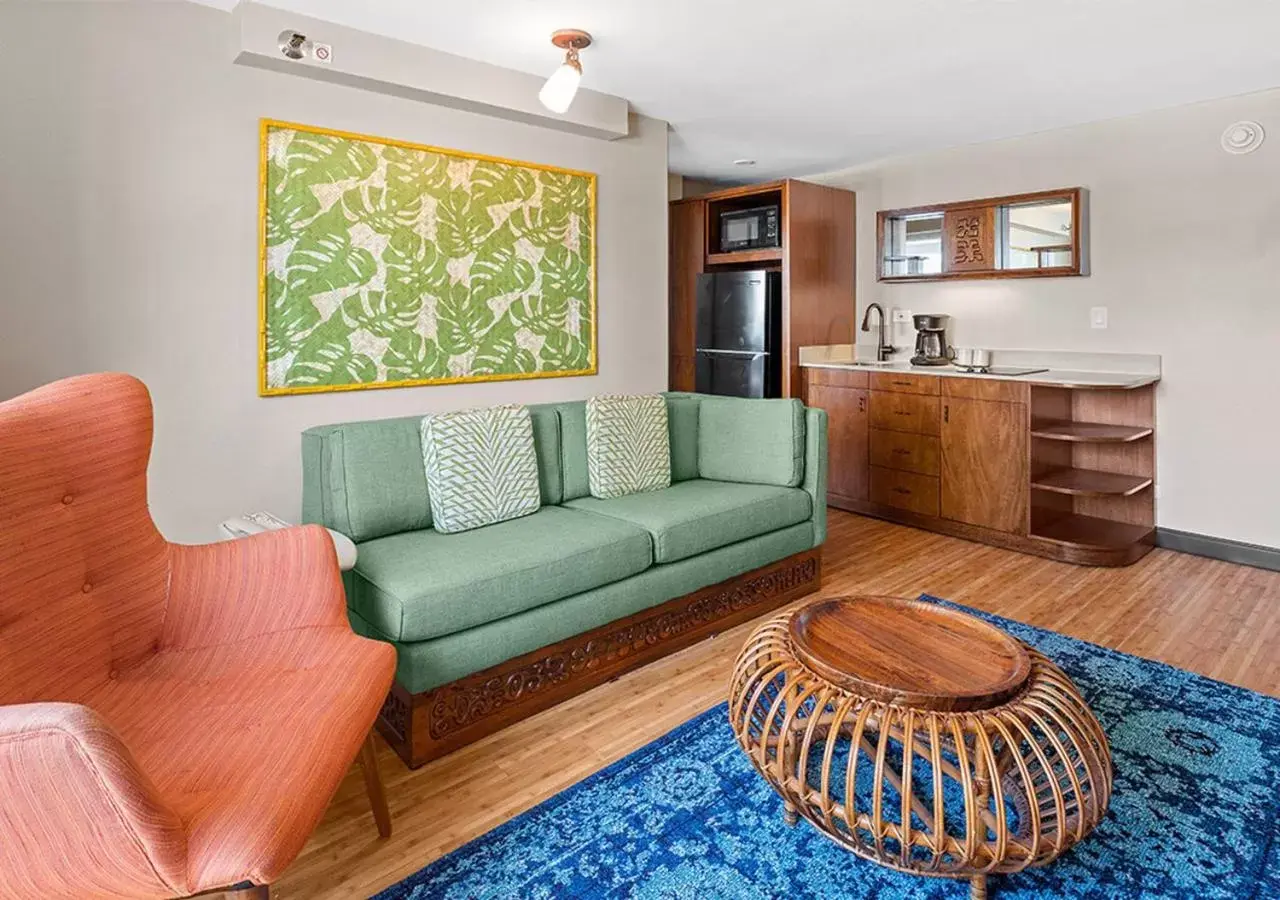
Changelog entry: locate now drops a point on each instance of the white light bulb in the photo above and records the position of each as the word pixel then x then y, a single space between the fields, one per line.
pixel 559 91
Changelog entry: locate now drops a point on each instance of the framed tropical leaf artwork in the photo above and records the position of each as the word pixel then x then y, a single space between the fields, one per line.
pixel 388 264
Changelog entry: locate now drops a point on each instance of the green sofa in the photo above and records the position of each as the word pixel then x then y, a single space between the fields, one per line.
pixel 494 624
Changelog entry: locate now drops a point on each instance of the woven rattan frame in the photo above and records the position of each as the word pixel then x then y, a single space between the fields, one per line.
pixel 1041 753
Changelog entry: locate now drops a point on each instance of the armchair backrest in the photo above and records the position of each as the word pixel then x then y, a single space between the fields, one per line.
pixel 83 570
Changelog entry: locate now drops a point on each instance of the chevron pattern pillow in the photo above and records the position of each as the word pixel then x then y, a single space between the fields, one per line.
pixel 628 447
pixel 481 467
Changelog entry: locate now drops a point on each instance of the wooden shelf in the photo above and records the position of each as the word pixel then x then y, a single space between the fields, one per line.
pixel 1092 532
pixel 1088 432
pixel 1088 483
pixel 765 254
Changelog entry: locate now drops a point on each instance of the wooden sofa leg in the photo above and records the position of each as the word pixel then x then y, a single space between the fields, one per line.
pixel 373 784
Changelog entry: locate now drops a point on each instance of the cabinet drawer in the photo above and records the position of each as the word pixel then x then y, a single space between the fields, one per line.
pixel 984 389
pixel 835 377
pixel 913 413
pixel 901 383
pixel 904 490
pixel 917 453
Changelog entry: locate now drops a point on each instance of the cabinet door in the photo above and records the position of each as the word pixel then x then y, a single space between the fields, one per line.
pixel 984 464
pixel 687 242
pixel 848 436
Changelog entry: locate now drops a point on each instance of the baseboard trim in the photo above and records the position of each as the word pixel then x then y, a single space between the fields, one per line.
pixel 1255 555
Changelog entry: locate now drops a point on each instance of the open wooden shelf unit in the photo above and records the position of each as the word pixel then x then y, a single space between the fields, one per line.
pixel 1092 469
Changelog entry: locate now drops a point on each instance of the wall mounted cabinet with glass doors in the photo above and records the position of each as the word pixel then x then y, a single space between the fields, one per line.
pixel 1021 236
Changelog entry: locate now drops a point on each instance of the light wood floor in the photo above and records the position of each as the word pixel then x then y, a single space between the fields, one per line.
pixel 1211 617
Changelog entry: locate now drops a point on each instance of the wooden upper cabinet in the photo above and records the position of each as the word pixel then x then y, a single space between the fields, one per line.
pixel 687 226
pixel 984 463
pixel 848 436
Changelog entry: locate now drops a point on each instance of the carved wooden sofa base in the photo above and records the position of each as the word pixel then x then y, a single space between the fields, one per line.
pixel 422 727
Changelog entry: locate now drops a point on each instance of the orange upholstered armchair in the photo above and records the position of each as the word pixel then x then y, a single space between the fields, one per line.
pixel 173 719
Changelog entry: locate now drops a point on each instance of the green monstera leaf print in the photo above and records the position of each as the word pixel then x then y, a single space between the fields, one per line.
pixel 386 262
pixel 326 358
pixel 293 318
pixel 462 320
pixel 379 209
pixel 564 352
pixel 500 352
pixel 324 259
pixel 324 159
pixel 413 265
pixel 462 224
pixel 382 314
pixel 290 206
pixel 411 357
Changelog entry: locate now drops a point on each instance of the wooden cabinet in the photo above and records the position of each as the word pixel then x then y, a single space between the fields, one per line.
pixel 815 260
pixel 687 224
pixel 984 463
pixel 1060 472
pixel 844 397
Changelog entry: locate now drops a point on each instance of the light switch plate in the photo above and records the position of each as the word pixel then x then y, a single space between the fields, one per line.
pixel 901 316
pixel 1098 317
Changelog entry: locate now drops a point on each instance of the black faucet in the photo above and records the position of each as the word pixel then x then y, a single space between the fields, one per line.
pixel 882 349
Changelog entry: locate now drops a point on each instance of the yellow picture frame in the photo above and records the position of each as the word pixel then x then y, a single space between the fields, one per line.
pixel 336 149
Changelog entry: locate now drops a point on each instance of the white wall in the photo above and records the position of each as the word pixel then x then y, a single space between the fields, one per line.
pixel 130 148
pixel 1185 243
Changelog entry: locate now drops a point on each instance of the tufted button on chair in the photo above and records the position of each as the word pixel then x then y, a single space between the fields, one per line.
pixel 173 719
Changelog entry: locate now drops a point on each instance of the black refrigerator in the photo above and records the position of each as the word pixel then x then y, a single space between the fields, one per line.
pixel 739 334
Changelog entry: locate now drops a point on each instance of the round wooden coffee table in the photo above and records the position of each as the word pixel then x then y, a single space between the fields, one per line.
pixel 1007 766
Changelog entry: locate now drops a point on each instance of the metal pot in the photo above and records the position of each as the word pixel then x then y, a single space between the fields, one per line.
pixel 972 358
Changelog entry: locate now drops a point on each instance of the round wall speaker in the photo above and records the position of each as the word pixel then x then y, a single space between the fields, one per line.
pixel 1243 137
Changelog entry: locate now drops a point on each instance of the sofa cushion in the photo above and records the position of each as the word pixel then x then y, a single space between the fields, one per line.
pixel 682 426
pixel 481 467
pixel 692 517
pixel 366 479
pixel 628 447
pixel 424 584
pixel 751 441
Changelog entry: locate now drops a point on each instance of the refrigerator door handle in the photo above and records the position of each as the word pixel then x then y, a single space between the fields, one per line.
pixel 750 354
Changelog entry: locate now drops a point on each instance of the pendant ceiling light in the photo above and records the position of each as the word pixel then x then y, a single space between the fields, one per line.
pixel 558 92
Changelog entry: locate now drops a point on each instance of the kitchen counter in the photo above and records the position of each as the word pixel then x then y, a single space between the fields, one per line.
pixel 1064 369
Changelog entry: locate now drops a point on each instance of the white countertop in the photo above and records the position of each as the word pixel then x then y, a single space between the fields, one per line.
pixel 1146 369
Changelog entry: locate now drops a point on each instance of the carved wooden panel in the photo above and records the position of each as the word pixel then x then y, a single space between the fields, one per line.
pixel 969 239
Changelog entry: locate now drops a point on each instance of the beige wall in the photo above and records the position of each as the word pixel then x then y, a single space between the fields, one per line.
pixel 130 239
pixel 1185 255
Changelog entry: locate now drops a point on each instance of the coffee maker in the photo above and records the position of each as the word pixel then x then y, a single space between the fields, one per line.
pixel 931 341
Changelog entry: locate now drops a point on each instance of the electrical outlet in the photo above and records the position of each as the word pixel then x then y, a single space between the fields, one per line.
pixel 322 53
pixel 1098 317
pixel 901 316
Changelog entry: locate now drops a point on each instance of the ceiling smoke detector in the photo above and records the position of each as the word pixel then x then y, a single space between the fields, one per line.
pixel 1243 137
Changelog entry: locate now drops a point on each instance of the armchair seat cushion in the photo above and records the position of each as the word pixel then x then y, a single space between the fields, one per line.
pixel 692 517
pixel 248 741
pixel 422 584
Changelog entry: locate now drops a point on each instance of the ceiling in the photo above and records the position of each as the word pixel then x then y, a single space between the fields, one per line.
pixel 805 86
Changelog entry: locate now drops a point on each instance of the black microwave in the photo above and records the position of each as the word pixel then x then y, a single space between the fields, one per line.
pixel 749 229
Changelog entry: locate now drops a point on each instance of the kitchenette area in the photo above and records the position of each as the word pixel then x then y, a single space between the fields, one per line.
pixel 1050 453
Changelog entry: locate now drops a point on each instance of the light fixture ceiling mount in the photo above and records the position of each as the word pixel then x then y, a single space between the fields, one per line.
pixel 559 91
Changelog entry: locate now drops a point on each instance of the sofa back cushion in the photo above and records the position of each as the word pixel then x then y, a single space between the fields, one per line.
pixel 481 467
pixel 366 479
pixel 682 427
pixel 751 441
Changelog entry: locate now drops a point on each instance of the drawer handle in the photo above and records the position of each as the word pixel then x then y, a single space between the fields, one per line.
pixel 901 490
pixel 901 383
pixel 901 412
pixel 901 451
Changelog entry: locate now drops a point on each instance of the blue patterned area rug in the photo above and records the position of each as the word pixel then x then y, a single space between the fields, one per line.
pixel 1195 812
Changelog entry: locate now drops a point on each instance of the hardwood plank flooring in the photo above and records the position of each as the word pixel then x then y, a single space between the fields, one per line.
pixel 1215 618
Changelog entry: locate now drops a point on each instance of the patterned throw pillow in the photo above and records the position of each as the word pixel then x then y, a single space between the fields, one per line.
pixel 628 447
pixel 481 467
